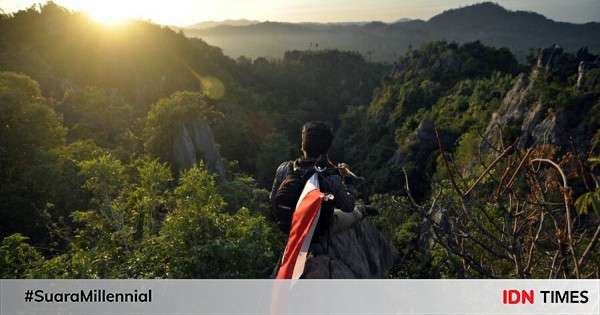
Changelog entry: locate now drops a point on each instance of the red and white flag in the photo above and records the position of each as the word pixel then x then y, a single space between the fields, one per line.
pixel 304 221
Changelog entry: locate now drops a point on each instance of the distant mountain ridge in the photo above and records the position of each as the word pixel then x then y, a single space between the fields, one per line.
pixel 487 22
pixel 209 24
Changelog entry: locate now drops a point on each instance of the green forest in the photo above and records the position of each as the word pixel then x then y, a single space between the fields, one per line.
pixel 133 151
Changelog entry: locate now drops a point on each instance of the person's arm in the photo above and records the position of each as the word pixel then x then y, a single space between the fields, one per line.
pixel 344 198
pixel 280 175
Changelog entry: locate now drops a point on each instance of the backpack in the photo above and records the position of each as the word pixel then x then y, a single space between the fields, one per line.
pixel 286 197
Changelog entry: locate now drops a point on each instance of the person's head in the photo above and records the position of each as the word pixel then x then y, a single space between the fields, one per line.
pixel 317 137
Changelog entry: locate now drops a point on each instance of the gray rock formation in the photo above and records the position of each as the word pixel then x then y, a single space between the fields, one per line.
pixel 581 71
pixel 550 58
pixel 359 253
pixel 537 123
pixel 584 81
pixel 521 109
pixel 195 141
pixel 421 141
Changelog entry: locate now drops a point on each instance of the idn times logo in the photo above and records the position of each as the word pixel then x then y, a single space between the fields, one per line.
pixel 514 296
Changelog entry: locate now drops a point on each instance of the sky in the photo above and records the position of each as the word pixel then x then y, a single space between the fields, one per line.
pixel 186 12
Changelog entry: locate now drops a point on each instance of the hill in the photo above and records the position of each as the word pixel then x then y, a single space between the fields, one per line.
pixel 488 22
pixel 209 24
pixel 467 140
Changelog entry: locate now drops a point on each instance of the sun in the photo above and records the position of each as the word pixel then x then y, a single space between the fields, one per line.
pixel 108 12
pixel 108 19
pixel 171 12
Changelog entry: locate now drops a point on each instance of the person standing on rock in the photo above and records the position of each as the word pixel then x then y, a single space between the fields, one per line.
pixel 312 198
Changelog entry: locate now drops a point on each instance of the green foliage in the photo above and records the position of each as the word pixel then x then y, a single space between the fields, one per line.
pixel 243 191
pixel 139 226
pixel 552 93
pixel 592 80
pixel 455 88
pixel 104 178
pixel 448 63
pixel 275 149
pixel 470 103
pixel 199 240
pixel 402 225
pixel 150 199
pixel 303 86
pixel 17 257
pixel 588 201
pixel 65 194
pixel 30 130
pixel 28 123
pixel 467 150
pixel 91 113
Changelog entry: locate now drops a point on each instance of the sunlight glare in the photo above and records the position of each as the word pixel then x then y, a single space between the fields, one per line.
pixel 171 12
pixel 110 12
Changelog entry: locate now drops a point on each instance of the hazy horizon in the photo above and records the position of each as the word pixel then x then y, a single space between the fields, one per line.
pixel 186 12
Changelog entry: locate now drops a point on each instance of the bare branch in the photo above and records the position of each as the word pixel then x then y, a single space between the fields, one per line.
pixel 512 179
pixel 531 247
pixel 590 246
pixel 408 192
pixel 447 163
pixel 566 197
pixel 487 170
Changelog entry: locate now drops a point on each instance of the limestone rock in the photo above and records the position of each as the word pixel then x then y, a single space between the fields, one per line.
pixel 359 253
pixel 195 141
pixel 536 123
pixel 421 142
pixel 550 58
pixel 584 81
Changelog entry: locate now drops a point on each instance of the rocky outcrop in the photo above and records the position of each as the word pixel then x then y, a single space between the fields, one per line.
pixel 420 142
pixel 195 141
pixel 521 109
pixel 535 122
pixel 585 82
pixel 359 253
pixel 551 58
